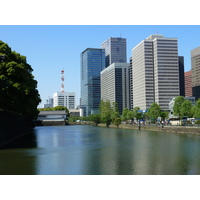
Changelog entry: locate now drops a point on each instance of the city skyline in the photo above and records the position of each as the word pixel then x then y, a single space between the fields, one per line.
pixel 49 49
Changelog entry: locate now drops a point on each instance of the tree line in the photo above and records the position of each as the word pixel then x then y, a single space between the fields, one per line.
pixel 56 108
pixel 183 107
pixel 109 113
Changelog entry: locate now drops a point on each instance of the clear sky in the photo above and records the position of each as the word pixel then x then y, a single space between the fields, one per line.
pixel 51 48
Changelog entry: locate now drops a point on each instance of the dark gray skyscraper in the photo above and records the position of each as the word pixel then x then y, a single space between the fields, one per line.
pixel 92 63
pixel 115 50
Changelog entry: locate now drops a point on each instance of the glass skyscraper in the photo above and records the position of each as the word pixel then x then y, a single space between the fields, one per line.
pixel 115 50
pixel 92 63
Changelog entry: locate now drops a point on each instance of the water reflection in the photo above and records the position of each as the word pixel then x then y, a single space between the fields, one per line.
pixel 94 150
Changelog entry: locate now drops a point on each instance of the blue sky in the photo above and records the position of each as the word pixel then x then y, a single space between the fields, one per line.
pixel 49 49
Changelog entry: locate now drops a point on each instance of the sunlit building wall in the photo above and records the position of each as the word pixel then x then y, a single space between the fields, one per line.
pixel 155 71
pixel 66 99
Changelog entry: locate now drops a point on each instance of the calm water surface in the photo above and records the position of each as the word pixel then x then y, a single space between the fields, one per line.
pixel 76 150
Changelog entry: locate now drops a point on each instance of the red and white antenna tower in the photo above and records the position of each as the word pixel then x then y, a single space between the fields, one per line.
pixel 62 78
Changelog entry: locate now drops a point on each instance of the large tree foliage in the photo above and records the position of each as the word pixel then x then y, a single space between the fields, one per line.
pixel 19 92
pixel 178 106
pixel 164 115
pixel 186 108
pixel 96 118
pixel 116 119
pixel 136 113
pixel 197 109
pixel 124 114
pixel 108 111
pixel 56 108
pixel 154 111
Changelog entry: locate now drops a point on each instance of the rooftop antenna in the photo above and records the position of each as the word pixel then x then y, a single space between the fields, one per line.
pixel 157 32
pixel 120 35
pixel 62 79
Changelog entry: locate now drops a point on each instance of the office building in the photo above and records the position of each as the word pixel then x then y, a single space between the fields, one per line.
pixel 92 63
pixel 115 50
pixel 188 84
pixel 155 70
pixel 131 84
pixel 115 85
pixel 66 99
pixel 195 59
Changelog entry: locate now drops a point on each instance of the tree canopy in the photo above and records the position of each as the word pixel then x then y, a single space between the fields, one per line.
pixel 197 109
pixel 55 108
pixel 19 93
pixel 106 112
pixel 177 105
pixel 154 111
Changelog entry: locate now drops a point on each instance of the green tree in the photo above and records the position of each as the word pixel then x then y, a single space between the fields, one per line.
pixel 96 118
pixel 164 115
pixel 55 109
pixel 197 109
pixel 20 94
pixel 136 114
pixel 178 106
pixel 124 114
pixel 130 115
pixel 116 118
pixel 106 111
pixel 186 108
pixel 154 112
pixel 61 108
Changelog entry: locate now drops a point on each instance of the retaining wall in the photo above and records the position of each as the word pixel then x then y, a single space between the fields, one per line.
pixel 12 126
pixel 168 129
pixel 50 123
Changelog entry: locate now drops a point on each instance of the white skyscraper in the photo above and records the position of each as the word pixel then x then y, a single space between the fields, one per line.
pixel 155 72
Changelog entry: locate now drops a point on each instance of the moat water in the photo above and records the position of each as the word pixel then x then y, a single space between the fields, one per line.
pixel 85 150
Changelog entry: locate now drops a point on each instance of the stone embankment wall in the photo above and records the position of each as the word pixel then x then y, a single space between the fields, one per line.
pixel 168 129
pixel 12 126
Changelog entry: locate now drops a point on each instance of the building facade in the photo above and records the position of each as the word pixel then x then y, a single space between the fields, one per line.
pixel 131 84
pixel 92 63
pixel 115 85
pixel 188 83
pixel 115 50
pixel 195 59
pixel 66 99
pixel 155 71
pixel 143 75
